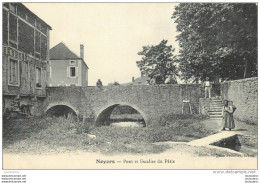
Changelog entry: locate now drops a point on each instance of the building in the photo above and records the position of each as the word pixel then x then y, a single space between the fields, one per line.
pixel 143 80
pixel 66 68
pixel 25 55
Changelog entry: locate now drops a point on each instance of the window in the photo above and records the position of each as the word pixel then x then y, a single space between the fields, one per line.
pixel 72 72
pixel 72 62
pixel 13 72
pixel 38 77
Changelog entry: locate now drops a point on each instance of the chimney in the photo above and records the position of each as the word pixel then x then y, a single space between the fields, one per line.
pixel 133 79
pixel 82 51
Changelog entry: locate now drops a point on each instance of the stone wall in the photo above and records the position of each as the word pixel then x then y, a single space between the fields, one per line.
pixel 244 94
pixel 152 102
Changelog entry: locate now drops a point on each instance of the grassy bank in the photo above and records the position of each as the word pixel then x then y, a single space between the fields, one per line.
pixel 46 135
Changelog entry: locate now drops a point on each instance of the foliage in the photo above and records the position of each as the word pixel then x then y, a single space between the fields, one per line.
pixel 217 39
pixel 158 60
pixel 43 135
pixel 80 125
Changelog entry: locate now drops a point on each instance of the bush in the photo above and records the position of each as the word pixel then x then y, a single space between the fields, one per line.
pixel 81 125
pixel 61 134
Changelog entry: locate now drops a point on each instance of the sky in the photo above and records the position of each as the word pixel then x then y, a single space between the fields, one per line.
pixel 112 33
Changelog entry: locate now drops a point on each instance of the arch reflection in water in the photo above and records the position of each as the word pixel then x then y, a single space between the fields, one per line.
pixel 120 115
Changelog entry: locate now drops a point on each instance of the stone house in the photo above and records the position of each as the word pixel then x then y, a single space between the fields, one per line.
pixel 66 68
pixel 25 55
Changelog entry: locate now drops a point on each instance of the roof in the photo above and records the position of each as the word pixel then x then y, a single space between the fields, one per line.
pixel 62 52
pixel 139 81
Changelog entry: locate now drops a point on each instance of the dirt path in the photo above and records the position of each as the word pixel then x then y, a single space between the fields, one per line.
pixel 213 124
pixel 216 125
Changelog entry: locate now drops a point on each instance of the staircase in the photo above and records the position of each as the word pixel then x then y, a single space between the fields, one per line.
pixel 211 107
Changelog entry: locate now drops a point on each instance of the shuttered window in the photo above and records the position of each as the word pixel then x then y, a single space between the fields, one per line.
pixel 72 72
pixel 13 72
pixel 38 77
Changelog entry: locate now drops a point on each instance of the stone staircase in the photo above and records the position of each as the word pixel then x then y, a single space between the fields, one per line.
pixel 211 107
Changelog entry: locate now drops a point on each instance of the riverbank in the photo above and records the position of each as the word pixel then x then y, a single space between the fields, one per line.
pixel 47 135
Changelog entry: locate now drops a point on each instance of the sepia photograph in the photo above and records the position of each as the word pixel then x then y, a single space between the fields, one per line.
pixel 138 86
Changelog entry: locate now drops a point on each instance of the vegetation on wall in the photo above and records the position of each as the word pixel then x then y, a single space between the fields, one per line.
pixel 26 38
pixel 30 39
pixel 5 27
pixel 37 41
pixel 43 47
pixel 13 27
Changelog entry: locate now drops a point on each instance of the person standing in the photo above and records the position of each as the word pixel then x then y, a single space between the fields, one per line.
pixel 168 80
pixel 207 87
pixel 99 83
pixel 153 81
pixel 227 112
pixel 231 110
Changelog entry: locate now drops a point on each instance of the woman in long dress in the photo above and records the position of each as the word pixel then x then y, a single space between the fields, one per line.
pixel 227 112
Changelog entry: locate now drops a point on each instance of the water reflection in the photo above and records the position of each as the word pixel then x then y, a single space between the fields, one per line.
pixel 127 124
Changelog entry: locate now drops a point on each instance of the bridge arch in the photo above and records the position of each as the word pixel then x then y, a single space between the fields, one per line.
pixel 104 113
pixel 66 107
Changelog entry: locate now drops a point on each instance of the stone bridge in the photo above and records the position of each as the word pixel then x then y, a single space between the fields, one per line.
pixel 97 104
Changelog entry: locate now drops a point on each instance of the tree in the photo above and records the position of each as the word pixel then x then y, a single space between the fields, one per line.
pixel 217 39
pixel 158 60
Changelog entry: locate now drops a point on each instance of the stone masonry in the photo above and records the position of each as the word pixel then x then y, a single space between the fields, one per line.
pixel 151 102
pixel 243 93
